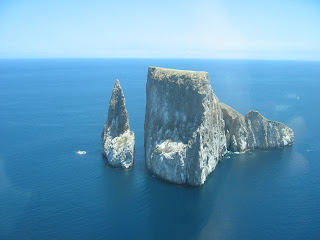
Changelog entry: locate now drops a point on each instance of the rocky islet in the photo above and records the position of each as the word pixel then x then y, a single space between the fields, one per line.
pixel 184 129
pixel 187 130
pixel 117 138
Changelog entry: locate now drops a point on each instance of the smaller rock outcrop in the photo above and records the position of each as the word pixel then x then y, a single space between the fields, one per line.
pixel 118 139
pixel 253 131
pixel 267 133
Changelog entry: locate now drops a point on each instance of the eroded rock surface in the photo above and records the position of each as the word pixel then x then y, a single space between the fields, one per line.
pixel 118 139
pixel 184 127
pixel 253 131
pixel 267 133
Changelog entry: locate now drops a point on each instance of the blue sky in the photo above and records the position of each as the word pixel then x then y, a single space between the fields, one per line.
pixel 286 29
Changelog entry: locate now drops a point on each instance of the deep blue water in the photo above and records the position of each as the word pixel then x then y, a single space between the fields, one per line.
pixel 50 108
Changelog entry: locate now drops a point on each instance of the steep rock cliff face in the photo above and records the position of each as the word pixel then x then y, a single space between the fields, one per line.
pixel 118 140
pixel 184 127
pixel 253 131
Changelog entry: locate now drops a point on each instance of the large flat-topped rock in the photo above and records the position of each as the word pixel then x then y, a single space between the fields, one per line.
pixel 196 79
pixel 184 128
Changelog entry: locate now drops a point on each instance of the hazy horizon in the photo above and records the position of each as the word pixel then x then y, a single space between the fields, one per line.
pixel 169 58
pixel 286 30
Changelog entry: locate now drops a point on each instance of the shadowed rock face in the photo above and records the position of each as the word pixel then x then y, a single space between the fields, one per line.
pixel 236 130
pixel 118 118
pixel 184 128
pixel 118 140
pixel 253 131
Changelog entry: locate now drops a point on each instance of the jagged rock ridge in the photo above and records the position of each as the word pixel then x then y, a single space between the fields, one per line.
pixel 253 131
pixel 184 127
pixel 118 139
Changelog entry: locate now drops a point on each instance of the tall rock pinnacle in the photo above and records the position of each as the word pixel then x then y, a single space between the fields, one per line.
pixel 118 140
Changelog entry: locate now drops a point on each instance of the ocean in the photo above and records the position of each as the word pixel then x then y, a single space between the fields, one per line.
pixel 51 108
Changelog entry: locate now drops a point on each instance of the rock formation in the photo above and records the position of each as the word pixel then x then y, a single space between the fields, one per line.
pixel 184 128
pixel 235 129
pixel 118 140
pixel 253 131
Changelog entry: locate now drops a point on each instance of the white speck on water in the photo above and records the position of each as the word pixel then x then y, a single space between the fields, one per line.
pixel 81 152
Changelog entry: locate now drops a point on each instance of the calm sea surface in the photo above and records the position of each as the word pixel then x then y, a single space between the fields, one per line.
pixel 51 108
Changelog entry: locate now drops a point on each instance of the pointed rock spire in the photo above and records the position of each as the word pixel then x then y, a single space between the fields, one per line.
pixel 118 140
pixel 118 119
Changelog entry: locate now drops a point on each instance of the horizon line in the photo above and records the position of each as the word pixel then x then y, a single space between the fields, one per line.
pixel 167 58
